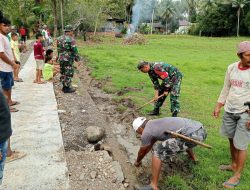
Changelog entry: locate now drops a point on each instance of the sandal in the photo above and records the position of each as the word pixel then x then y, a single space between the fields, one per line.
pixel 14 103
pixel 13 109
pixel 225 167
pixel 18 80
pixel 229 185
pixel 15 156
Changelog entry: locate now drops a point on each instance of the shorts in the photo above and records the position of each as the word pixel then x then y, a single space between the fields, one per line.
pixel 3 151
pixel 234 127
pixel 172 146
pixel 39 64
pixel 7 80
pixel 23 38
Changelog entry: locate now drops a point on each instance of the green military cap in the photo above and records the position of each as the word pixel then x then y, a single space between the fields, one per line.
pixel 142 64
pixel 68 28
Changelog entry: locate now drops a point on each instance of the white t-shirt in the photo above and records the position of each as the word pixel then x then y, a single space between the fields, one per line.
pixel 6 49
pixel 236 90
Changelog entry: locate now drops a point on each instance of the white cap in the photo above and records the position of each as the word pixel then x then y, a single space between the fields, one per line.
pixel 138 122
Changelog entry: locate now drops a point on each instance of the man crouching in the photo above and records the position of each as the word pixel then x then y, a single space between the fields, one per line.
pixel 155 130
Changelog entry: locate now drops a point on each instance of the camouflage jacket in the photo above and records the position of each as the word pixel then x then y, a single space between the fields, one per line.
pixel 67 50
pixel 166 72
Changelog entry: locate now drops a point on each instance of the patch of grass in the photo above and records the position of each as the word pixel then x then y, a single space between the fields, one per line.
pixel 203 61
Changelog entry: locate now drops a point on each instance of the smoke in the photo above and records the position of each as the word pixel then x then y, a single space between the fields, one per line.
pixel 141 12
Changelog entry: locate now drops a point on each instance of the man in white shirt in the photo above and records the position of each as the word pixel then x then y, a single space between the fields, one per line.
pixel 236 121
pixel 7 63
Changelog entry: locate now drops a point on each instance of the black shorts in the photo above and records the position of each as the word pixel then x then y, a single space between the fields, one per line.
pixel 23 38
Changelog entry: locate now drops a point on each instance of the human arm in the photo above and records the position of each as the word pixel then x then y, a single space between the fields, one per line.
pixel 7 60
pixel 224 93
pixel 75 51
pixel 142 153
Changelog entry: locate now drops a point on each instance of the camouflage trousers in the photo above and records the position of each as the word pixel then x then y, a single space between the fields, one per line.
pixel 174 95
pixel 67 73
pixel 173 146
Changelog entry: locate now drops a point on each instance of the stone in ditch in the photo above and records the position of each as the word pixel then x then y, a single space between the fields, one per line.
pixel 93 174
pixel 94 134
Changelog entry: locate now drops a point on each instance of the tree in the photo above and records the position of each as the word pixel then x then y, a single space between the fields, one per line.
pixel 239 5
pixel 54 6
pixel 169 11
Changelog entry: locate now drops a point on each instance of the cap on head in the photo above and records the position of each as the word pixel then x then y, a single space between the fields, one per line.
pixel 138 122
pixel 13 27
pixel 142 64
pixel 243 47
pixel 68 28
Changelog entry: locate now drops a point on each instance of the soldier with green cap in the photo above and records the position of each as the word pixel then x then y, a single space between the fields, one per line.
pixel 171 83
pixel 67 54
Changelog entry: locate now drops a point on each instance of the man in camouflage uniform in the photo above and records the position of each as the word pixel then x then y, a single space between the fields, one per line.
pixel 171 83
pixel 67 54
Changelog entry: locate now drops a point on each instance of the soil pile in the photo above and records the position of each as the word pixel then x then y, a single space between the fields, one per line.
pixel 135 39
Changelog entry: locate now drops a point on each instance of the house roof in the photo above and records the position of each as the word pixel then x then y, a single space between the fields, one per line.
pixel 158 25
pixel 183 23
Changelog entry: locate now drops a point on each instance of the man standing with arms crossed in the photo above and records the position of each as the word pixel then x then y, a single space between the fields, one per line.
pixel 236 121
pixel 67 53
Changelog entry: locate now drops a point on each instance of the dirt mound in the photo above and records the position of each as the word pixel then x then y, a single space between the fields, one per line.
pixel 135 39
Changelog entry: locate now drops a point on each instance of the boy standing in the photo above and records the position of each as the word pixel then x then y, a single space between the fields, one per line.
pixel 39 57
pixel 7 63
pixel 16 54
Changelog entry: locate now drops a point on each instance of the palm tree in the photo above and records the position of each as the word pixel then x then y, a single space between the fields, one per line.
pixel 169 11
pixel 239 5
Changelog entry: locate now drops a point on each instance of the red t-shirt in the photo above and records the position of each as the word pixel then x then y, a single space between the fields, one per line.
pixel 22 32
pixel 38 50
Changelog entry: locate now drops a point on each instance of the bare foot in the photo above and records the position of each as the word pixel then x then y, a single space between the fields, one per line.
pixel 34 81
pixel 226 168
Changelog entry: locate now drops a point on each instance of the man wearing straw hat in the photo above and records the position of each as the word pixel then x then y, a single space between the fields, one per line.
pixel 236 121
pixel 160 130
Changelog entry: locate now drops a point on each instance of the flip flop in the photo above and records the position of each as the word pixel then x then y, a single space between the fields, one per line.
pixel 148 187
pixel 19 80
pixel 228 185
pixel 13 109
pixel 14 103
pixel 225 167
pixel 15 156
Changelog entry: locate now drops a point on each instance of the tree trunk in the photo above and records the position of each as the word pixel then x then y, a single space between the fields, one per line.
pixel 166 26
pixel 54 5
pixel 152 21
pixel 238 22
pixel 62 20
pixel 96 21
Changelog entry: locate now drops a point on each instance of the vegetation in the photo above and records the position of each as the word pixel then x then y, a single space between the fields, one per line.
pixel 203 62
pixel 208 17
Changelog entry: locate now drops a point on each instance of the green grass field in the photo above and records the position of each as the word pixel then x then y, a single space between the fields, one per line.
pixel 203 61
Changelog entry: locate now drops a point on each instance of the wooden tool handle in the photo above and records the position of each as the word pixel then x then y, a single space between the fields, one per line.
pixel 149 102
pixel 189 139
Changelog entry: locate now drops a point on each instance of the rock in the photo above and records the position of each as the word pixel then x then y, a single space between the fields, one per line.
pixel 125 185
pixel 83 111
pixel 94 134
pixel 61 111
pixel 82 177
pixel 93 174
pixel 118 170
